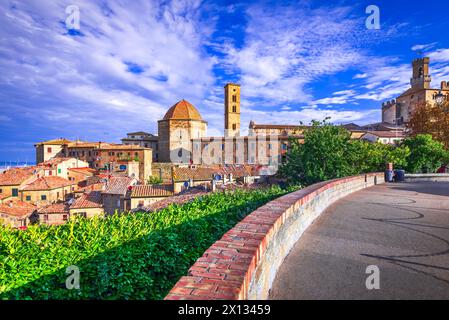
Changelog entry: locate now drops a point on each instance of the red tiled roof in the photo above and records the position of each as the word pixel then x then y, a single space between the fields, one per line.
pixel 54 161
pixel 87 171
pixel 206 173
pixel 183 110
pixel 54 142
pixel 47 183
pixel 54 208
pixel 17 208
pixel 16 176
pixel 118 185
pixel 5 195
pixel 387 134
pixel 84 187
pixel 88 200
pixel 144 191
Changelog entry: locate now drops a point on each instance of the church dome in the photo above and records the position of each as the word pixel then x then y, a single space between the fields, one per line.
pixel 183 110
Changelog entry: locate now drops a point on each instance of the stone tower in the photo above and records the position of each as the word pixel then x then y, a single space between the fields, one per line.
pixel 232 110
pixel 421 76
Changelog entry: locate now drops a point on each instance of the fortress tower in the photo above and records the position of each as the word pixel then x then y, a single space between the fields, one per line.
pixel 421 76
pixel 232 110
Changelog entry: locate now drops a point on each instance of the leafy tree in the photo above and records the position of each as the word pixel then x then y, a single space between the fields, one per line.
pixel 328 153
pixel 154 180
pixel 427 154
pixel 431 119
pixel 323 156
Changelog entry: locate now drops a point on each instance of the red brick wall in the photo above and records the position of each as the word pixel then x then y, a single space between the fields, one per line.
pixel 243 263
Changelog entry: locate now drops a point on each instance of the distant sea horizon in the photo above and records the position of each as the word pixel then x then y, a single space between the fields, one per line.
pixel 12 164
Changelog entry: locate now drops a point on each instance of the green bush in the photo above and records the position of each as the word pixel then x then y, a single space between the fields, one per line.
pixel 154 180
pixel 329 153
pixel 128 256
pixel 427 154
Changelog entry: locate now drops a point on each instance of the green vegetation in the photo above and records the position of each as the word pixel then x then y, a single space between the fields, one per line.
pixel 129 256
pixel 329 153
pixel 427 154
pixel 154 180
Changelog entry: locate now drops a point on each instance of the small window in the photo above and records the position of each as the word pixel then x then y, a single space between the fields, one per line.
pixel 234 126
pixel 43 197
pixel 234 98
pixel 65 217
pixel 1 190
pixel 234 109
pixel 28 198
pixel 50 173
pixel 59 170
pixel 45 217
pixel 49 150
pixel 15 192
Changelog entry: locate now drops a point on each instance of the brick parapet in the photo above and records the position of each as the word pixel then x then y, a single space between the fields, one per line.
pixel 243 263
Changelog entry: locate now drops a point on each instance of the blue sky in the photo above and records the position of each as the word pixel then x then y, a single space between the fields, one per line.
pixel 132 60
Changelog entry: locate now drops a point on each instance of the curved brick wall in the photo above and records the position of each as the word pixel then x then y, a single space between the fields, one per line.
pixel 242 265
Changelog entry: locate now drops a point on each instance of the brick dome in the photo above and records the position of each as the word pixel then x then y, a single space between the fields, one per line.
pixel 183 110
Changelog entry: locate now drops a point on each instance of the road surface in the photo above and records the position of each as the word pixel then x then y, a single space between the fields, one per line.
pixel 403 229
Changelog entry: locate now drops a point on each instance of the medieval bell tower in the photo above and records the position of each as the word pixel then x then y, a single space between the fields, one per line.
pixel 232 110
pixel 421 76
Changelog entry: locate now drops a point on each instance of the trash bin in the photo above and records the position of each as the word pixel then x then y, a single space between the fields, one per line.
pixel 389 174
pixel 399 175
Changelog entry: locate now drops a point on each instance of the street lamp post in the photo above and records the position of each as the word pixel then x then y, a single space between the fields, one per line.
pixel 440 99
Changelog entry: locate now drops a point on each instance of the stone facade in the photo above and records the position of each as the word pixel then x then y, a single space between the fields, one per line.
pixel 399 111
pixel 180 125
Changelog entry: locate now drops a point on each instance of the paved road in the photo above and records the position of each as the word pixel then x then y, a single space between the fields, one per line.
pixel 401 228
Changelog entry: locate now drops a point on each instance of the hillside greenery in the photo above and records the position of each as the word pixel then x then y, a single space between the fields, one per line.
pixel 127 256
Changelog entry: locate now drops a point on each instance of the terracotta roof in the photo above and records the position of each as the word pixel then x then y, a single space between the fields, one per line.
pixel 84 187
pixel 83 144
pixel 387 134
pixel 54 161
pixel 17 208
pixel 5 195
pixel 118 185
pixel 207 173
pixel 144 191
pixel 186 173
pixel 278 126
pixel 58 142
pixel 54 208
pixel 183 110
pixel 88 200
pixel 87 171
pixel 140 133
pixel 16 176
pixel 124 147
pixel 47 183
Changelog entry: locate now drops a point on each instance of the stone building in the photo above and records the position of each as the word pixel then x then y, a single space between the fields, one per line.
pixel 143 139
pixel 60 166
pixel 180 125
pixel 399 111
pixel 16 213
pixel 115 194
pixel 144 195
pixel 49 149
pixel 46 190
